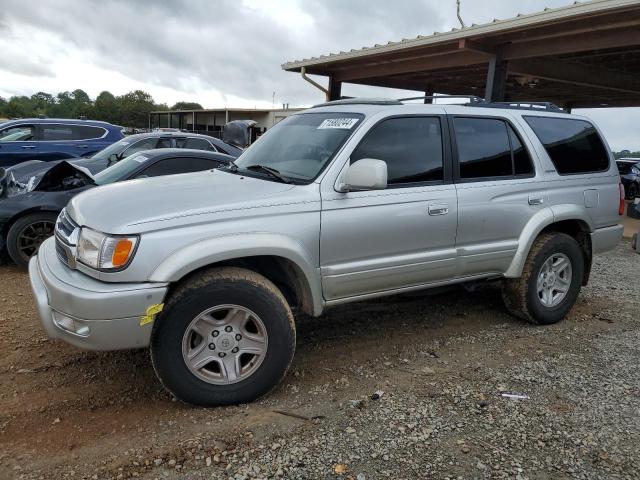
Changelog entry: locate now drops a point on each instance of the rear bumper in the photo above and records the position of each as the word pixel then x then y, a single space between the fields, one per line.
pixel 105 316
pixel 605 239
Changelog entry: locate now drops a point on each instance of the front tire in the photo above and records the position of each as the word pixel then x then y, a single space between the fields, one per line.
pixel 226 336
pixel 550 281
pixel 27 234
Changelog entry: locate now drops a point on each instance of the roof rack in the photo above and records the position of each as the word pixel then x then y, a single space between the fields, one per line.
pixel 540 106
pixel 360 101
pixel 472 98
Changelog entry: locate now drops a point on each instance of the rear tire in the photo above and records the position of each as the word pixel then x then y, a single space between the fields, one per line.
pixel 27 234
pixel 226 336
pixel 550 281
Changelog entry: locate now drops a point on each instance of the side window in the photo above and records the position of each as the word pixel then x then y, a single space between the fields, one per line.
pixel 17 133
pixel 573 145
pixel 195 143
pixel 146 144
pixel 56 132
pixel 85 132
pixel 483 147
pixel 522 164
pixel 171 166
pixel 490 148
pixel 411 147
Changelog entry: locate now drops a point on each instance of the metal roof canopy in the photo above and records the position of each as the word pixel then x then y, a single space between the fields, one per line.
pixel 579 56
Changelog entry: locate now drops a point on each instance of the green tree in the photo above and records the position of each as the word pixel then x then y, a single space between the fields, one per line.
pixel 42 103
pixel 134 108
pixel 106 108
pixel 187 106
pixel 19 107
pixel 3 107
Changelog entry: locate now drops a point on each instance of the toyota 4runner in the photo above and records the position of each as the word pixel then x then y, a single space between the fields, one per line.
pixel 346 201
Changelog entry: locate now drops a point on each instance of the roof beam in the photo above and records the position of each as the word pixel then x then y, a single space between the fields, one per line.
pixel 576 74
pixel 573 43
pixel 423 64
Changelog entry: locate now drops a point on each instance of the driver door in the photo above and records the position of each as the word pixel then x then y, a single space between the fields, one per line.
pixel 401 237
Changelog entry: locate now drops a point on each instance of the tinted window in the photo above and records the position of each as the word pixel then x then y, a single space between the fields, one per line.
pixel 521 160
pixel 17 133
pixel 573 145
pixel 624 167
pixel 411 147
pixel 483 147
pixel 195 143
pixel 57 132
pixel 84 132
pixel 171 166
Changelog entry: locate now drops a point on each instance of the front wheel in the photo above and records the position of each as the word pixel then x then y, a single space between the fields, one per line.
pixel 550 281
pixel 27 234
pixel 226 336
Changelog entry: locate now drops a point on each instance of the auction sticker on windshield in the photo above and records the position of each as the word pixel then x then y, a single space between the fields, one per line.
pixel 344 123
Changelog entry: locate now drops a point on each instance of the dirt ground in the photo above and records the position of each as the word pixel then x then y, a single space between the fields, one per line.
pixel 441 360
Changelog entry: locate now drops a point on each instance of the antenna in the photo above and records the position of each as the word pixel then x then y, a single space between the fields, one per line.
pixel 458 13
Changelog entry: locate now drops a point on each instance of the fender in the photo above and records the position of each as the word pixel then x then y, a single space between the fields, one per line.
pixel 536 224
pixel 228 247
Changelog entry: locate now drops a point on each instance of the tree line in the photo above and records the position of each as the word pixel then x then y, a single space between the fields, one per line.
pixel 128 110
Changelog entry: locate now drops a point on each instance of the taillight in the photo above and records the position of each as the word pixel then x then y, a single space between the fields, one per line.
pixel 622 205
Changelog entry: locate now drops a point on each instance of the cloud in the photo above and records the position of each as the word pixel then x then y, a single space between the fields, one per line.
pixel 226 52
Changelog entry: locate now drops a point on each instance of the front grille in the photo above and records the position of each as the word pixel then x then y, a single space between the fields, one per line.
pixel 65 227
pixel 61 251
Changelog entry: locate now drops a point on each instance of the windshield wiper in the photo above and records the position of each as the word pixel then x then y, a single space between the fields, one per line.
pixel 269 171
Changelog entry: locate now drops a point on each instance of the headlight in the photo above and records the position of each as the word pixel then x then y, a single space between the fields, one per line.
pixel 105 252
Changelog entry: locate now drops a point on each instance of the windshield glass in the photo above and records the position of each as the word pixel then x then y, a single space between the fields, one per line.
pixel 300 146
pixel 116 148
pixel 120 170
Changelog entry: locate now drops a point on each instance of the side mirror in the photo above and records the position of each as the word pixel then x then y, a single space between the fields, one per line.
pixel 365 174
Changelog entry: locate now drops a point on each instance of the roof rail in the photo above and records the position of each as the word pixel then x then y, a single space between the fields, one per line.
pixel 540 106
pixel 360 101
pixel 472 98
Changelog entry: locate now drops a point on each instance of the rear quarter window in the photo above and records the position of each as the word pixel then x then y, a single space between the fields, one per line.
pixel 573 145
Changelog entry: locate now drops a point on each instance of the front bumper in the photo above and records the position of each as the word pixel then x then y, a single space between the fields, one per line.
pixel 605 239
pixel 107 315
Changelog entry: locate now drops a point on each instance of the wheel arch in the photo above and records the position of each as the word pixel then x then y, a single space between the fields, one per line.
pixel 280 259
pixel 569 220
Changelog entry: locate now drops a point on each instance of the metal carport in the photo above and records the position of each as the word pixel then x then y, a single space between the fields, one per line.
pixel 580 56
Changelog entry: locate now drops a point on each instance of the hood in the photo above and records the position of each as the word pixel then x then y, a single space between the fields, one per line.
pixel 59 177
pixel 136 206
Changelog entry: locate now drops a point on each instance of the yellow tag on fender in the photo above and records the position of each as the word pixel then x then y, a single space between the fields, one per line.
pixel 150 314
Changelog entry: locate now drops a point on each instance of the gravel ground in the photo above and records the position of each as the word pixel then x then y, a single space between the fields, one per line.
pixel 440 361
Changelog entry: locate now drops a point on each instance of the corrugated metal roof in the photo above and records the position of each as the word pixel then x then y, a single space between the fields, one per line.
pixel 496 26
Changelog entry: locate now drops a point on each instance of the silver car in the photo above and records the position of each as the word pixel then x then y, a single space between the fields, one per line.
pixel 346 201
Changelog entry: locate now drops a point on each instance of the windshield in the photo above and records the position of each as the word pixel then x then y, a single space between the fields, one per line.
pixel 120 170
pixel 300 146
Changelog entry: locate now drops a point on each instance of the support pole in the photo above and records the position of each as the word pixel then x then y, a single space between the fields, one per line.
pixel 428 100
pixel 335 89
pixel 496 79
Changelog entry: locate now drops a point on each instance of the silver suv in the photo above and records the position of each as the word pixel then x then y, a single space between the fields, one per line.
pixel 346 201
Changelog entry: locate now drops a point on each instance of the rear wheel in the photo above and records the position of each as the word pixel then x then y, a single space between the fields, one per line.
pixel 550 281
pixel 227 336
pixel 27 234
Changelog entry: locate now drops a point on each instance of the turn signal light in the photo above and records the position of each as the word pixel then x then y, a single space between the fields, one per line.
pixel 121 252
pixel 622 205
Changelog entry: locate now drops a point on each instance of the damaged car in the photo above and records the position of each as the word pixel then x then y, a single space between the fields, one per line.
pixel 28 209
pixel 127 147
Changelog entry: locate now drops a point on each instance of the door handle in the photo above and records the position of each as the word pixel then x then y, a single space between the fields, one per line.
pixel 82 146
pixel 438 209
pixel 536 199
pixel 26 147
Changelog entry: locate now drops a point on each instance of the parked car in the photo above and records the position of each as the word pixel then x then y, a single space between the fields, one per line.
pixel 28 211
pixel 629 169
pixel 347 201
pixel 128 146
pixel 49 139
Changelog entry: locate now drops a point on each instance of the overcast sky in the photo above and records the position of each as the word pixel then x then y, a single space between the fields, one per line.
pixel 225 52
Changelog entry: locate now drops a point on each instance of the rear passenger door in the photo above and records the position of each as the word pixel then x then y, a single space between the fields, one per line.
pixel 400 237
pixel 58 140
pixel 498 189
